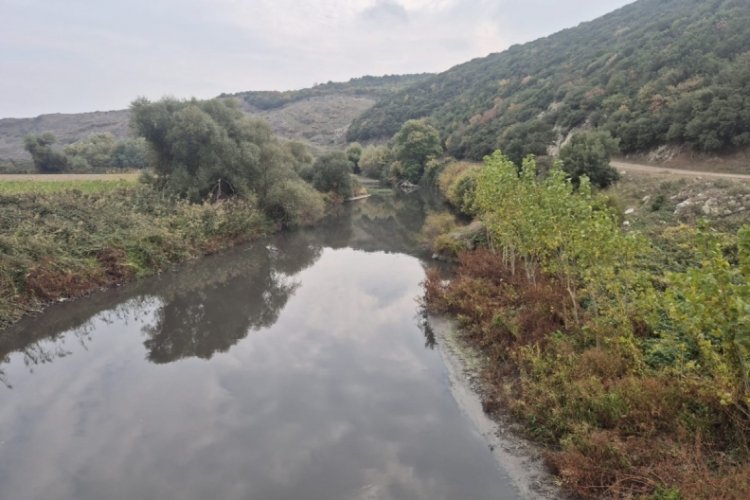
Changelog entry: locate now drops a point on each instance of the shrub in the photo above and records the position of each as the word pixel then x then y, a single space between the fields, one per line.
pixel 46 160
pixel 295 203
pixel 332 174
pixel 457 183
pixel 375 161
pixel 589 154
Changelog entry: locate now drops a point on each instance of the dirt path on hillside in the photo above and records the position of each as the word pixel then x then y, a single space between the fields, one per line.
pixel 648 169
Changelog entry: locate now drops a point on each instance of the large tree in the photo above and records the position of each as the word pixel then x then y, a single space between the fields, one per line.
pixel 212 150
pixel 209 148
pixel 46 160
pixel 414 145
pixel 332 173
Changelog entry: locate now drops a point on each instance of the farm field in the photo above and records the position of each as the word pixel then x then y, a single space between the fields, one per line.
pixel 49 183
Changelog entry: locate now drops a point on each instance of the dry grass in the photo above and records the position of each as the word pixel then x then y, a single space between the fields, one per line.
pixel 66 243
pixel 614 428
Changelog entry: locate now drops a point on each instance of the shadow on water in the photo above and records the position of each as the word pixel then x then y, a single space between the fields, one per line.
pixel 209 305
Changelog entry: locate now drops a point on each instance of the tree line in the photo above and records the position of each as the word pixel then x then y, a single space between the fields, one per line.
pixel 97 152
pixel 415 154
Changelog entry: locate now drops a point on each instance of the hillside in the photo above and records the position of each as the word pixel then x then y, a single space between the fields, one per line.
pixel 654 72
pixel 319 115
pixel 67 128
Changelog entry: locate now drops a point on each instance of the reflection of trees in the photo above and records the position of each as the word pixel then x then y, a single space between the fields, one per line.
pixel 389 223
pixel 202 322
pixel 209 305
pixel 210 315
pixel 37 350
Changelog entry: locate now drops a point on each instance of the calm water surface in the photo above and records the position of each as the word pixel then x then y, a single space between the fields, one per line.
pixel 294 368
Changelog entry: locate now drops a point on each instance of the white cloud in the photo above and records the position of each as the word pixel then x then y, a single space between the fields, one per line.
pixel 82 55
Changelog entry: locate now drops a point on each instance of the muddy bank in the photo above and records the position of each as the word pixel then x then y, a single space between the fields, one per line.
pixel 521 459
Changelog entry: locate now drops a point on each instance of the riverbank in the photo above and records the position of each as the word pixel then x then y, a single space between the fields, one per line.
pixel 520 458
pixel 57 245
pixel 611 325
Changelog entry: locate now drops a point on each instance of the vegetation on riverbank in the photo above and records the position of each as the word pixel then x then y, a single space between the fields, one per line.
pixel 625 351
pixel 63 244
pixel 36 185
pixel 218 178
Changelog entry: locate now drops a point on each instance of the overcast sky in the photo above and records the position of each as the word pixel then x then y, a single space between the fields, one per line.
pixel 86 55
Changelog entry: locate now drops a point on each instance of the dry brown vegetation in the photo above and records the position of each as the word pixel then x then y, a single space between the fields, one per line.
pixel 611 432
pixel 57 245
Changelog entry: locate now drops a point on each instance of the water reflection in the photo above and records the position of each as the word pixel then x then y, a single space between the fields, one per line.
pixel 212 319
pixel 291 368
pixel 211 304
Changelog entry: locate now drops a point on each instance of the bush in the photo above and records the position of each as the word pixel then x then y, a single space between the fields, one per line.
pixel 435 231
pixel 332 174
pixel 457 183
pixel 295 203
pixel 375 161
pixel 46 160
pixel 589 154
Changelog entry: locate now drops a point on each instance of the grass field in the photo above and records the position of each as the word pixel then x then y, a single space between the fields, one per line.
pixel 51 183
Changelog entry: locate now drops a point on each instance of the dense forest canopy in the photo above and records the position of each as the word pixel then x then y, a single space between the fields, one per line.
pixel 651 73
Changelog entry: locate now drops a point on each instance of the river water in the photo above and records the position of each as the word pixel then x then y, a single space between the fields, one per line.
pixel 292 368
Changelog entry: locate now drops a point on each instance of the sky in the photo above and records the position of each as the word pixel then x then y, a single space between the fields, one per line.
pixel 66 56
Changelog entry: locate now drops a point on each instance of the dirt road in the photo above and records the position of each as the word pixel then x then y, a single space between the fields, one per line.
pixel 634 167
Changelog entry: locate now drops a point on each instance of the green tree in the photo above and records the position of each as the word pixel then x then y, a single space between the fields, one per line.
pixel 209 148
pixel 301 156
pixel 704 318
pixel 96 150
pixel 332 173
pixel 523 139
pixel 353 154
pixel 414 145
pixel 46 160
pixel 589 154
pixel 375 160
pixel 212 150
pixel 131 153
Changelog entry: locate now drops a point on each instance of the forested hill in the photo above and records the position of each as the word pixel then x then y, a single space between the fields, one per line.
pixel 653 72
pixel 318 115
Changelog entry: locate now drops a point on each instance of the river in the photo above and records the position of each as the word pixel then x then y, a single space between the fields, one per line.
pixel 293 368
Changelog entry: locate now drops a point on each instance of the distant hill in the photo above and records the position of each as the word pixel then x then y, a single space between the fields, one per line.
pixel 654 72
pixel 319 115
pixel 67 128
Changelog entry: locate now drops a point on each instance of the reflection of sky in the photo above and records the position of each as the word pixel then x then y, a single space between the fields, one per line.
pixel 338 399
